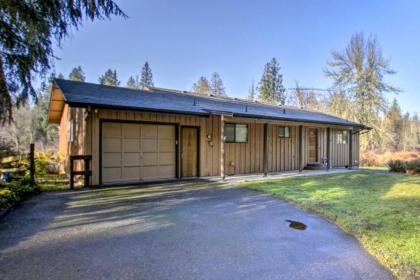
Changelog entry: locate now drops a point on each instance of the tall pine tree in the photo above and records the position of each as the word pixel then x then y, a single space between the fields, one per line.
pixel 395 125
pixel 202 86
pixel 77 74
pixel 216 85
pixel 146 76
pixel 251 92
pixel 132 83
pixel 109 78
pixel 271 88
pixel 29 30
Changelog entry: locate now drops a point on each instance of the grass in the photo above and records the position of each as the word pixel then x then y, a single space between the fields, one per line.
pixel 381 210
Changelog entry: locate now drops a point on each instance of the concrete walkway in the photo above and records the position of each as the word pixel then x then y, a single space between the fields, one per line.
pixel 286 174
pixel 175 231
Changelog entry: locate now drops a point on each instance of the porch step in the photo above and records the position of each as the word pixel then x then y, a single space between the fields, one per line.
pixel 314 166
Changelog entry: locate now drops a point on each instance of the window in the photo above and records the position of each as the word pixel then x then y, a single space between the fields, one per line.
pixel 342 136
pixel 284 131
pixel 236 133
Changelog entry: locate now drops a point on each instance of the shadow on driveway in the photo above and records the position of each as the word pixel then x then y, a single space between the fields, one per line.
pixel 194 230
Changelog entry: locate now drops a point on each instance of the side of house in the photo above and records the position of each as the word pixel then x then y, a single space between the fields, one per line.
pixel 138 145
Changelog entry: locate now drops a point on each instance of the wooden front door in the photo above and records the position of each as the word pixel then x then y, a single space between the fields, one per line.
pixel 189 152
pixel 313 145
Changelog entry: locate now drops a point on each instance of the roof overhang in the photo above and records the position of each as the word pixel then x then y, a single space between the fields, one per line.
pixel 56 106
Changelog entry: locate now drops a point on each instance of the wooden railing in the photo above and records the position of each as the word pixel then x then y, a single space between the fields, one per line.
pixel 86 173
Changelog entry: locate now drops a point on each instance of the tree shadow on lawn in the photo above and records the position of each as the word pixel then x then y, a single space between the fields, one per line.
pixel 381 210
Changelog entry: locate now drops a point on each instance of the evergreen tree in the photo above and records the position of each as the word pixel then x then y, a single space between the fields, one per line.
pixel 77 74
pixel 395 126
pixel 271 88
pixel 45 134
pixel 146 76
pixel 132 83
pixel 29 29
pixel 359 72
pixel 216 86
pixel 202 86
pixel 109 78
pixel 251 92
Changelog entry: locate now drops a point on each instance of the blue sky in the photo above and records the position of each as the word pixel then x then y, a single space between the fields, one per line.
pixel 185 39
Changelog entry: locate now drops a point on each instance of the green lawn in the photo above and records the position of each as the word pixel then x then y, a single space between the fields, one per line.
pixel 381 210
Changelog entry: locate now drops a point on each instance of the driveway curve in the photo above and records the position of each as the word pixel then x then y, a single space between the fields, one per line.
pixel 194 230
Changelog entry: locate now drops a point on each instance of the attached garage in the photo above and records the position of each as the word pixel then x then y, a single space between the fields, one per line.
pixel 158 134
pixel 133 152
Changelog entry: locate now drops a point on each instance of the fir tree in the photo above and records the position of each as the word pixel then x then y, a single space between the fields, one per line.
pixel 132 83
pixel 202 86
pixel 216 86
pixel 109 78
pixel 77 74
pixel 271 88
pixel 251 92
pixel 395 126
pixel 146 76
pixel 29 30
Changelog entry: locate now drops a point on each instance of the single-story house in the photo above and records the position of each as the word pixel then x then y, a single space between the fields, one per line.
pixel 159 134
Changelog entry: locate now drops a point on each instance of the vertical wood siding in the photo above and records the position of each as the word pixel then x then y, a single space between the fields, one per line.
pixel 240 158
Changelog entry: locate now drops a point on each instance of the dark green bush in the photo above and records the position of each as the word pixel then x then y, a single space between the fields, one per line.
pixel 413 167
pixel 17 191
pixel 397 165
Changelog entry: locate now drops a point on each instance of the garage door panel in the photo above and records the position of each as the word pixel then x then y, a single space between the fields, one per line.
pixel 148 145
pixel 131 145
pixel 112 174
pixel 131 131
pixel 131 159
pixel 131 173
pixel 166 145
pixel 134 152
pixel 112 145
pixel 166 131
pixel 111 160
pixel 150 159
pixel 166 172
pixel 166 158
pixel 111 130
pixel 150 172
pixel 149 131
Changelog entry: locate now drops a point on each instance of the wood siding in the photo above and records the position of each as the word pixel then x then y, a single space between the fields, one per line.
pixel 240 158
pixel 77 146
pixel 209 135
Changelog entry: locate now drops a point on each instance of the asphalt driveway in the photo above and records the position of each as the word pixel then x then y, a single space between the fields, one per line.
pixel 174 231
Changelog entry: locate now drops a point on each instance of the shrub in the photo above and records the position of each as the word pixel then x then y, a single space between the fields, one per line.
pixel 369 158
pixel 413 167
pixel 397 165
pixel 45 162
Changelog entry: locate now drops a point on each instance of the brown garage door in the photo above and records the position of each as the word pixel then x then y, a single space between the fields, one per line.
pixel 135 152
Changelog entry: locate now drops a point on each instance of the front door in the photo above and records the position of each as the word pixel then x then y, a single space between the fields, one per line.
pixel 189 151
pixel 313 145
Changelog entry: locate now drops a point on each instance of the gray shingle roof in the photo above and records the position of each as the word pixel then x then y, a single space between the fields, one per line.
pixel 87 94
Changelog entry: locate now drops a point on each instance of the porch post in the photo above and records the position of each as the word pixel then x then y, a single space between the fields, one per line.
pixel 222 147
pixel 178 150
pixel 328 148
pixel 350 149
pixel 265 155
pixel 300 148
